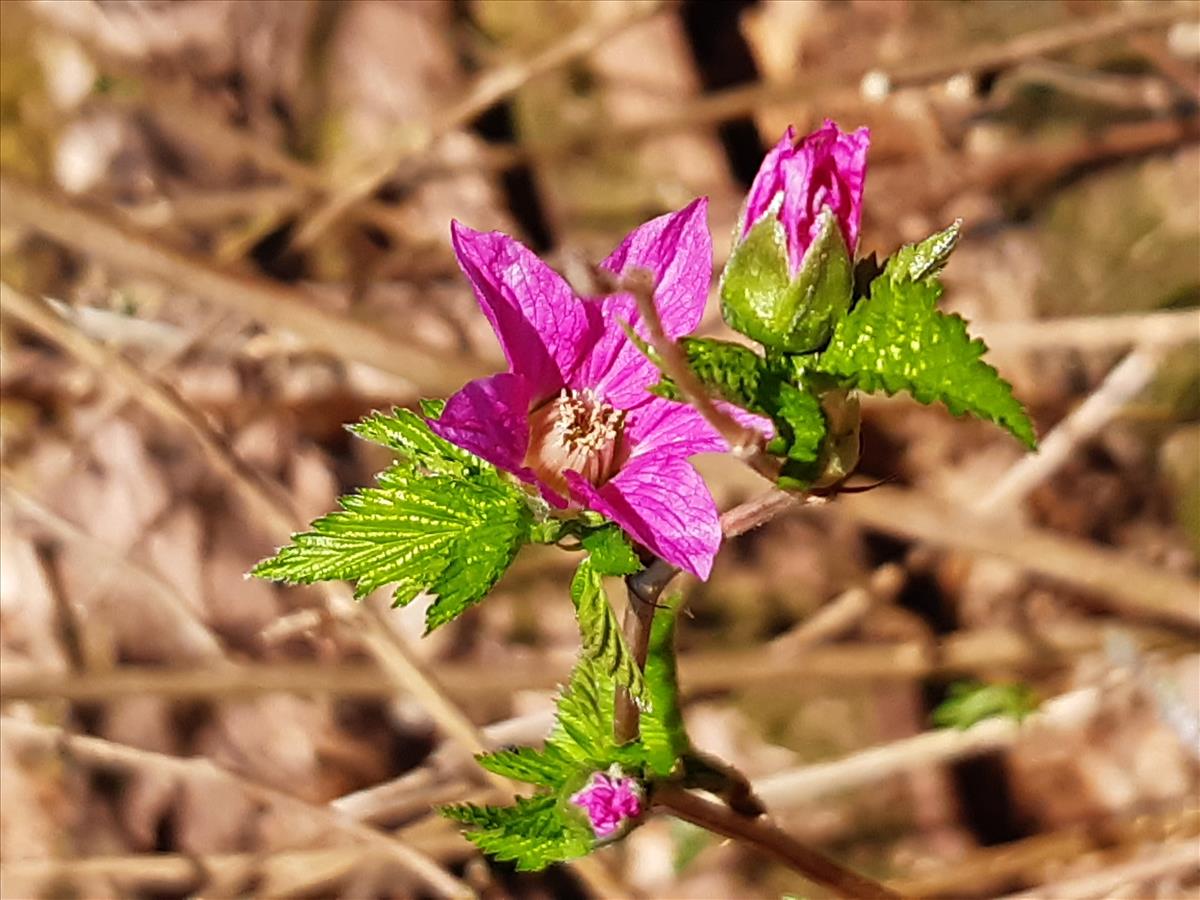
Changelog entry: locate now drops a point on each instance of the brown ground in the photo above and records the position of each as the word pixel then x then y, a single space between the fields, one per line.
pixel 238 215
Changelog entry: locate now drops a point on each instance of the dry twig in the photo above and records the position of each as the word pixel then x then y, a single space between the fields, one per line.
pixel 258 298
pixel 108 755
pixel 761 835
pixel 491 87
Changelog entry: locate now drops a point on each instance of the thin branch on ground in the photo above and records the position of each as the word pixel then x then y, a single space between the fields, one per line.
pixel 1112 580
pixel 1171 328
pixel 993 868
pixel 109 755
pixel 1124 382
pixel 489 88
pixel 846 88
pixel 797 787
pixel 226 874
pixel 759 834
pixel 1180 858
pixel 975 651
pixel 183 618
pixel 261 299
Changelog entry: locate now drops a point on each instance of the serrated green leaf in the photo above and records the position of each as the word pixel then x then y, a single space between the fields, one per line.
pixel 800 411
pixel 532 833
pixel 732 372
pixel 610 551
pixel 547 768
pixel 441 522
pixel 897 340
pixel 407 434
pixel 603 642
pixel 970 702
pixel 924 259
pixel 663 737
pixel 775 387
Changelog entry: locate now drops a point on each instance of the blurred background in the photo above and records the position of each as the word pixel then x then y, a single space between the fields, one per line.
pixel 224 237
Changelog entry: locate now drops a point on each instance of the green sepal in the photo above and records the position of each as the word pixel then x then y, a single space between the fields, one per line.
pixel 761 299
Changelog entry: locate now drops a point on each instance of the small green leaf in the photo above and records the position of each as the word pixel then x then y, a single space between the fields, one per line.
pixel 730 371
pixel 661 724
pixel 970 702
pixel 761 299
pixel 610 551
pixel 897 340
pixel 406 434
pixel 540 767
pixel 441 521
pixel 917 262
pixel 775 387
pixel 532 833
pixel 800 411
pixel 603 643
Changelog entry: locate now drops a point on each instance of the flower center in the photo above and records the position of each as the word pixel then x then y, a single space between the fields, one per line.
pixel 575 431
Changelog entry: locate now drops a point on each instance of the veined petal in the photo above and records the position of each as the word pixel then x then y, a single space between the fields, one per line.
pixel 668 426
pixel 828 168
pixel 664 504
pixel 768 182
pixel 661 425
pixel 490 418
pixel 543 328
pixel 677 250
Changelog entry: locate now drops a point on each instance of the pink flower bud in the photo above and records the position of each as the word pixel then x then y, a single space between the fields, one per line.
pixel 609 799
pixel 826 169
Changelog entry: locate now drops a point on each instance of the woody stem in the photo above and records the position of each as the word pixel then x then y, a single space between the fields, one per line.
pixel 644 589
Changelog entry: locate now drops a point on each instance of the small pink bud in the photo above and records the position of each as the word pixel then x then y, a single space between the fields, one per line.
pixel 609 799
pixel 825 170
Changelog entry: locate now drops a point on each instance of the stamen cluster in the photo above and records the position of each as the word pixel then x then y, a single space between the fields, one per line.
pixel 583 423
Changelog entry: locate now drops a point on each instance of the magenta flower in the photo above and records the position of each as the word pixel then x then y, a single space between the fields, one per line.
pixel 826 169
pixel 572 414
pixel 609 799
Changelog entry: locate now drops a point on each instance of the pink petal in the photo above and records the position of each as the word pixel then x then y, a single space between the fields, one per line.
pixel 542 326
pixel 828 169
pixel 490 418
pixel 664 504
pixel 667 426
pixel 769 180
pixel 677 249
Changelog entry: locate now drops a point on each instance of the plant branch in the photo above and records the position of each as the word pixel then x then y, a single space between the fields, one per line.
pixel 975 651
pixel 769 840
pixel 489 88
pixel 105 754
pixel 118 244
